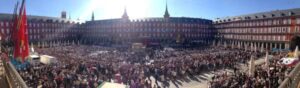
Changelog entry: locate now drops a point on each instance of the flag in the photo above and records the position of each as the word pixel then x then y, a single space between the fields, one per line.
pixel 13 28
pixel 14 21
pixel 267 63
pixel 296 55
pixel 25 47
pixel 251 66
pixel 21 46
pixel 31 48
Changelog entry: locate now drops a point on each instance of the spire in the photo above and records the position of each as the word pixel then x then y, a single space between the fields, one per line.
pixel 125 16
pixel 93 17
pixel 167 15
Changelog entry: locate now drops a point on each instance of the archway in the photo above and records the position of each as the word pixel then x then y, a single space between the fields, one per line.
pixel 295 41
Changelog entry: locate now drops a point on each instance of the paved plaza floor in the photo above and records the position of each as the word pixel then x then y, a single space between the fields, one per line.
pixel 201 81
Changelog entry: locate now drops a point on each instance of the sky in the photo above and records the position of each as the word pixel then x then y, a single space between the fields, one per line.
pixel 107 9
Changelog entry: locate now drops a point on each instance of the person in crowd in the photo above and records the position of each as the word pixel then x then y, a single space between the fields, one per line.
pixel 260 79
pixel 80 66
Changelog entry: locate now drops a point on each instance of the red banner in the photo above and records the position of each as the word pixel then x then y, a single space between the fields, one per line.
pixel 21 45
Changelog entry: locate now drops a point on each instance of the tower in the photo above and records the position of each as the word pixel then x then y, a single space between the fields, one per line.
pixel 125 16
pixel 64 14
pixel 167 15
pixel 93 17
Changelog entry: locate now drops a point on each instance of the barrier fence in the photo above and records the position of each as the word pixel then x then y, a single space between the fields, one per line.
pixel 13 77
pixel 292 80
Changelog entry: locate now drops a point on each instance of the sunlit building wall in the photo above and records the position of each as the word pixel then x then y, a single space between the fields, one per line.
pixel 160 30
pixel 267 30
pixel 149 30
pixel 42 29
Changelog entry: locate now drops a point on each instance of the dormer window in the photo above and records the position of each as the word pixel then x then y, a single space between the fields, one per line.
pixel 291 13
pixel 256 17
pixel 273 15
pixel 282 14
pixel 264 16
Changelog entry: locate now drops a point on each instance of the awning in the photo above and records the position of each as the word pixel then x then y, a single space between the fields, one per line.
pixel 112 85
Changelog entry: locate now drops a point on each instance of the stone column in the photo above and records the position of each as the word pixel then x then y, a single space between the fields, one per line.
pixel 287 46
pixel 270 46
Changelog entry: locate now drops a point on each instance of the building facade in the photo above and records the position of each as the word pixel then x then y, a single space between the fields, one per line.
pixel 42 30
pixel 163 31
pixel 267 30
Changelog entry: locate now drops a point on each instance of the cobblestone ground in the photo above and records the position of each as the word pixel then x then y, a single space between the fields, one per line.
pixel 201 81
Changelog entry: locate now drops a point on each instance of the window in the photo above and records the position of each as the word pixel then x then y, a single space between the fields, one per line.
pixel 298 20
pixel 7 31
pixel 7 24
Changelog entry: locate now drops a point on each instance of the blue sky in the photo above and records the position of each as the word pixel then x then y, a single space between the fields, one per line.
pixel 106 9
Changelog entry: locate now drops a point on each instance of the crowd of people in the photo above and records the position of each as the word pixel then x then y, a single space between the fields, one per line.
pixel 265 76
pixel 80 66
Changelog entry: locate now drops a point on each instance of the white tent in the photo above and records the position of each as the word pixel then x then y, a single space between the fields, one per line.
pixel 112 85
pixel 46 59
pixel 33 56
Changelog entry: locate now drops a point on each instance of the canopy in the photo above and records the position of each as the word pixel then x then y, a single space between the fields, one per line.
pixel 112 85
pixel 34 56
pixel 46 59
